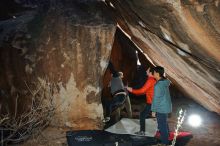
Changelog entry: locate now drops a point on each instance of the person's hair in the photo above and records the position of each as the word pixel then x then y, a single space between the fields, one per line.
pixel 151 70
pixel 160 70
pixel 117 74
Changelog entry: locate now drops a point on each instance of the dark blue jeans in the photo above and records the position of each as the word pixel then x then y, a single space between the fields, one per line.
pixel 117 101
pixel 143 116
pixel 163 127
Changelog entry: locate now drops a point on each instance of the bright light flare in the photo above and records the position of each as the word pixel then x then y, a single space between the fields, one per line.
pixel 194 120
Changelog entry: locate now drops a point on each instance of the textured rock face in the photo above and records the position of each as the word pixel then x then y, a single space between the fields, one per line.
pixel 124 59
pixel 183 36
pixel 79 73
pixel 68 49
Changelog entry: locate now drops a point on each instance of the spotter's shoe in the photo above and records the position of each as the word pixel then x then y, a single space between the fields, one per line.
pixel 106 119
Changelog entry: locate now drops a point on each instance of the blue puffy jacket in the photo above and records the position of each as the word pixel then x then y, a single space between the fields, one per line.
pixel 162 100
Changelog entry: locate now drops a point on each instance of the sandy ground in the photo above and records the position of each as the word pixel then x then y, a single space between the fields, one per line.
pixel 208 134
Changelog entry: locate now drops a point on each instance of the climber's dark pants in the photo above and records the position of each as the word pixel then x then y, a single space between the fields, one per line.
pixel 116 102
